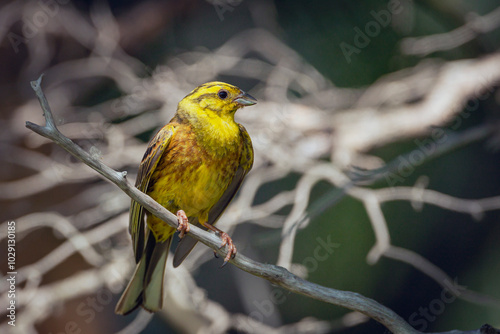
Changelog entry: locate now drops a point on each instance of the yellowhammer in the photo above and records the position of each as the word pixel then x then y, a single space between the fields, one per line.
pixel 193 167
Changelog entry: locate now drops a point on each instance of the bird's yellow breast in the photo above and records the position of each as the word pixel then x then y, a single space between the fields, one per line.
pixel 193 173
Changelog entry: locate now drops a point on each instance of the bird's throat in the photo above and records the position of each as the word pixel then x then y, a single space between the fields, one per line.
pixel 216 134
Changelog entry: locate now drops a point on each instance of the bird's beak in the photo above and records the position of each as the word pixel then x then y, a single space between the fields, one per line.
pixel 245 99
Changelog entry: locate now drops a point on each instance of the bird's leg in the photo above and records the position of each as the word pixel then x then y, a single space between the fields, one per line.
pixel 226 240
pixel 183 226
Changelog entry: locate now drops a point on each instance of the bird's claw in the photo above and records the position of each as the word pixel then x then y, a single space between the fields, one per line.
pixel 231 248
pixel 183 226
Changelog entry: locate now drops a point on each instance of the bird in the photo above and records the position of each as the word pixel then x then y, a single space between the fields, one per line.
pixel 193 167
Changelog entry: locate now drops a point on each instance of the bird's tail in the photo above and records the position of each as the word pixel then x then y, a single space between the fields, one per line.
pixel 146 286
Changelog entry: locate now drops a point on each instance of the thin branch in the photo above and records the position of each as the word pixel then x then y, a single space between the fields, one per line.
pixel 475 207
pixel 76 242
pixel 476 25
pixel 275 274
pixel 439 276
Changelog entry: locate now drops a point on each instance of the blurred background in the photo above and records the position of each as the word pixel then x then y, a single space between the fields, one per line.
pixel 376 142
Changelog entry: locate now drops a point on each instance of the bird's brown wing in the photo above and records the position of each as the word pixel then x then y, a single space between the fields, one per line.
pixel 246 161
pixel 155 150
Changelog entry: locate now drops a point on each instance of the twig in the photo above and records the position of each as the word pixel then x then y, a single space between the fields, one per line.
pixel 76 242
pixel 439 276
pixel 272 273
pixel 475 26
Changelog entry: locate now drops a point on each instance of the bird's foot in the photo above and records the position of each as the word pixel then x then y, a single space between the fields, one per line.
pixel 231 248
pixel 226 241
pixel 183 226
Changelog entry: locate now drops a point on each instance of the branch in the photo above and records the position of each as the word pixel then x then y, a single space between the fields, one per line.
pixel 476 25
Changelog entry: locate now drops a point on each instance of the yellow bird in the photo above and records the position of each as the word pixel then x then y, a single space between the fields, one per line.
pixel 193 167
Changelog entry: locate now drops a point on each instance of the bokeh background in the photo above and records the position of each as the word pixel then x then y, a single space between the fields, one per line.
pixel 400 97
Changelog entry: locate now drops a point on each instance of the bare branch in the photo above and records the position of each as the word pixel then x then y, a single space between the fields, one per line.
pixel 475 26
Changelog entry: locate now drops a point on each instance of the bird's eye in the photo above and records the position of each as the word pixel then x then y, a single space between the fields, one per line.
pixel 222 94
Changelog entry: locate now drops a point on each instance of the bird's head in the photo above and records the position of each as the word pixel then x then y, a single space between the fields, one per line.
pixel 215 99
